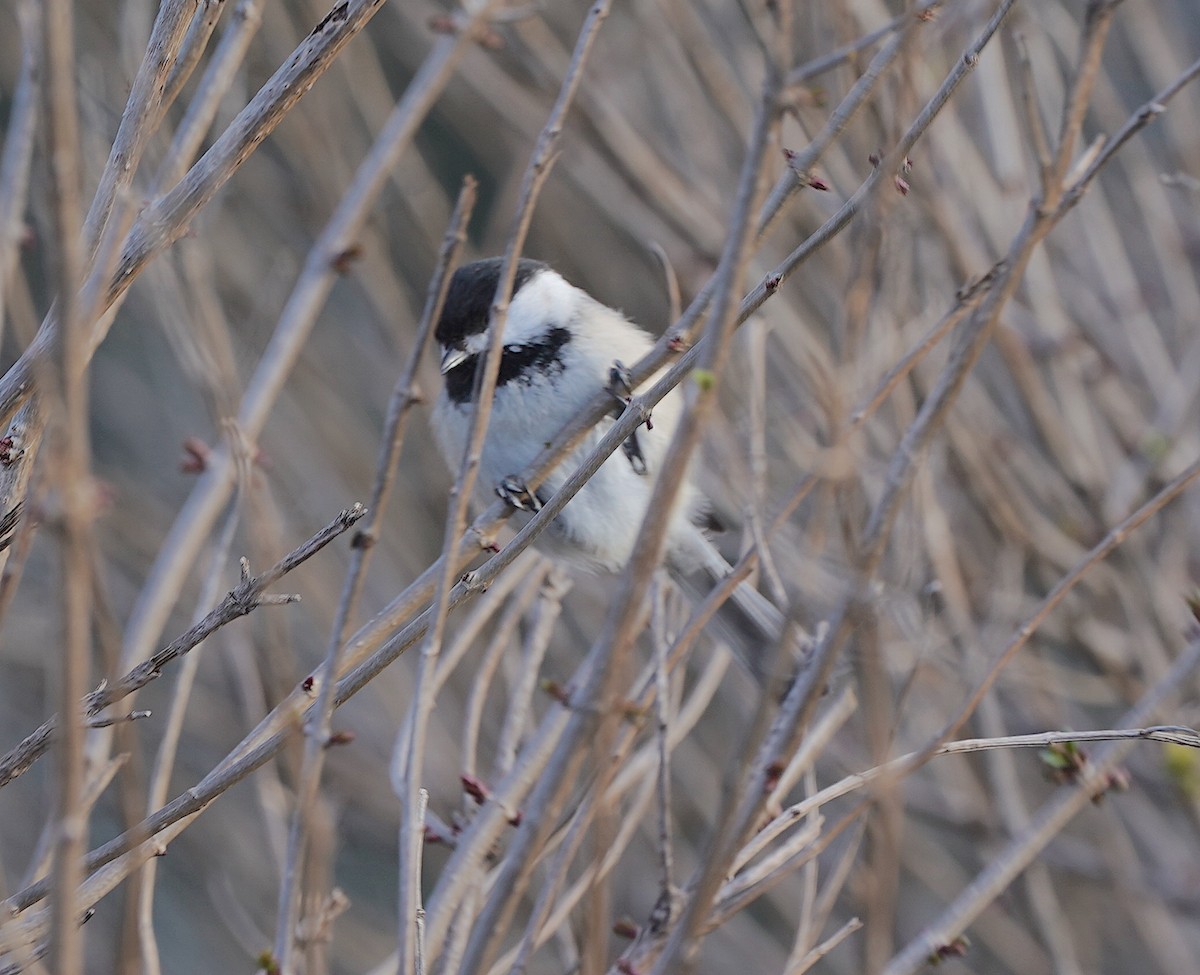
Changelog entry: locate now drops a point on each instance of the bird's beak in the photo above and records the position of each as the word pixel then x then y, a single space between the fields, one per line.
pixel 452 357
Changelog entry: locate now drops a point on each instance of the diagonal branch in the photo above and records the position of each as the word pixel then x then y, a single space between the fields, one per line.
pixel 242 600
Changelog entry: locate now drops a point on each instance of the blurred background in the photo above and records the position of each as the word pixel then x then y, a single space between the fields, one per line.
pixel 1084 404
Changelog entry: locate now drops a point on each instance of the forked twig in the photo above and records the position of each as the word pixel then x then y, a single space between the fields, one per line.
pixel 243 599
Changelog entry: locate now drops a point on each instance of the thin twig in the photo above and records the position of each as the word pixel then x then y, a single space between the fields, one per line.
pixel 1047 823
pixel 824 948
pixel 69 471
pixel 1035 124
pixel 1096 23
pixel 319 726
pixel 536 174
pixel 840 55
pixel 503 636
pixel 553 588
pixel 1047 907
pixel 550 896
pixel 164 761
pixel 245 598
pixel 909 763
pixel 663 639
pixel 418 919
pixel 18 146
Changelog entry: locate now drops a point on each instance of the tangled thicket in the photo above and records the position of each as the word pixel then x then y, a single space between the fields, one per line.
pixel 938 265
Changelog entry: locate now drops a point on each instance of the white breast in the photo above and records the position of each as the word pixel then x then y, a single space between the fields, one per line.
pixel 599 526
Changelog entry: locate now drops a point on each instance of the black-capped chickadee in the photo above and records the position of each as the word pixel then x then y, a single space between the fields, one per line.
pixel 560 348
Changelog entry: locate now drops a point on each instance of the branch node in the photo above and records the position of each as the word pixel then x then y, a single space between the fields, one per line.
pixel 280 600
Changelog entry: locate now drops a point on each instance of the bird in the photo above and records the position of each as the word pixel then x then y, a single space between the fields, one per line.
pixel 560 347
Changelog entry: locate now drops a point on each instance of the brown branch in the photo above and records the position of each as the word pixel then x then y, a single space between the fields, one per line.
pixel 68 467
pixel 1046 824
pixel 403 398
pixel 243 599
pixel 162 222
pixel 537 173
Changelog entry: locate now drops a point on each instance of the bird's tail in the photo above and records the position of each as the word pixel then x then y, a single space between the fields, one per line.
pixel 760 611
pixel 756 631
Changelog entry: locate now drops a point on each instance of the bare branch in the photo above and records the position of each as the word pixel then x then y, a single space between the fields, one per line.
pixel 538 171
pixel 1047 823
pixel 319 726
pixel 244 599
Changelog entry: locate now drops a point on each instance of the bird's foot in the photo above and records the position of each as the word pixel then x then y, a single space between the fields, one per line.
pixel 513 491
pixel 620 382
pixel 633 452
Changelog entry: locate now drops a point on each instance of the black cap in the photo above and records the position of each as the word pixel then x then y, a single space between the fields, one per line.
pixel 469 299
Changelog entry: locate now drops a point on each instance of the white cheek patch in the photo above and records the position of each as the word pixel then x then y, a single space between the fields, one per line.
pixel 477 344
pixel 544 301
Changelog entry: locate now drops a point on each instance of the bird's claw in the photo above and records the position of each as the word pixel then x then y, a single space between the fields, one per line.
pixel 513 491
pixel 633 452
pixel 620 381
pixel 620 384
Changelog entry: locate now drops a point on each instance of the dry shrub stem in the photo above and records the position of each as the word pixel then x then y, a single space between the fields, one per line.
pixel 1047 823
pixel 536 174
pixel 242 600
pixel 539 773
pixel 404 396
pixel 164 761
pixel 69 472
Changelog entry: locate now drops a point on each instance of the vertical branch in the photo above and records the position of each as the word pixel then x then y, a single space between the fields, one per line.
pixel 194 524
pixel 164 762
pixel 68 462
pixel 536 174
pixel 419 910
pixel 664 637
pixel 319 728
pixel 18 146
